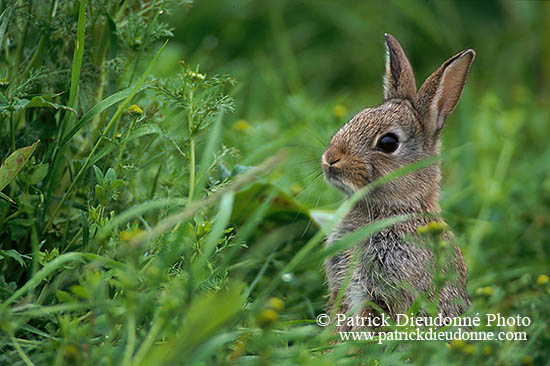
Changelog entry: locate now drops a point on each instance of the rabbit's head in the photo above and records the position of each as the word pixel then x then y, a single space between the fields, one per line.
pixel 404 129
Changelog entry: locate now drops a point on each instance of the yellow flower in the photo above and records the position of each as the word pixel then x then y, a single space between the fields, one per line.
pixel 436 226
pixel 527 361
pixel 457 343
pixel 488 290
pixel 339 111
pixel 542 279
pixel 242 126
pixel 487 350
pixel 135 109
pixel 129 235
pixel 275 303
pixel 432 227
pixel 469 349
pixel 267 317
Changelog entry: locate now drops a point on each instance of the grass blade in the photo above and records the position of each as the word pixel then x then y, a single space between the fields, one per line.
pixel 77 64
pixel 4 20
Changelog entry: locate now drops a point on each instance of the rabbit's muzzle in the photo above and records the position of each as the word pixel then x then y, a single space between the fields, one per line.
pixel 343 171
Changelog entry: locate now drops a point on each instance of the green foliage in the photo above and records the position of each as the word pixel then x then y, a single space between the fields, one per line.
pixel 141 224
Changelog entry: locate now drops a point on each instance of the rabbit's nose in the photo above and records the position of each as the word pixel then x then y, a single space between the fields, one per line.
pixel 333 161
pixel 330 159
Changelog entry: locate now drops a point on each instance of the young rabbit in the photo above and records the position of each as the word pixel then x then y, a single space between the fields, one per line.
pixel 391 270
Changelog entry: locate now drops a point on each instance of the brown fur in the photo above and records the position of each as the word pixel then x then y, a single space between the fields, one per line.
pixel 392 271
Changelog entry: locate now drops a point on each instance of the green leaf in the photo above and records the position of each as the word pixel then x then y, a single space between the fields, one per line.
pixel 64 296
pixel 3 102
pixel 14 254
pixel 80 291
pixel 44 101
pixel 110 175
pixel 98 175
pixel 145 129
pixel 39 174
pixel 19 104
pixel 283 209
pixel 13 164
pixel 100 194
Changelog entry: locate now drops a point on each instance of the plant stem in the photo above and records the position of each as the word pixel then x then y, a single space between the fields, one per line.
pixel 191 169
pixel 20 46
pixel 12 132
pixel 191 147
pixel 129 350
pixel 20 351
pixel 124 138
pixel 158 324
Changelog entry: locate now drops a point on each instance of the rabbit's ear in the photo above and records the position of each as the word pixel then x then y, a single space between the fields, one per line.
pixel 399 78
pixel 440 93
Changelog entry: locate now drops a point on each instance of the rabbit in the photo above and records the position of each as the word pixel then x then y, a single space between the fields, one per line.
pixel 391 267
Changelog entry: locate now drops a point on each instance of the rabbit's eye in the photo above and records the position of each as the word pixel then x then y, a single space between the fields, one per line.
pixel 388 143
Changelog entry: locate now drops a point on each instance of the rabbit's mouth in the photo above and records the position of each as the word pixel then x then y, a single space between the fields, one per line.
pixel 333 178
pixel 343 172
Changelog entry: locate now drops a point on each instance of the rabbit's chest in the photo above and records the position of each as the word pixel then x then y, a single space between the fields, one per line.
pixel 384 262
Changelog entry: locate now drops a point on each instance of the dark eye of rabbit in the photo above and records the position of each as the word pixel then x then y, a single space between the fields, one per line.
pixel 388 143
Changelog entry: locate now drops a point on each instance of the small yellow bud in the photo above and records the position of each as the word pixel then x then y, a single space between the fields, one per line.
pixel 488 290
pixel 339 111
pixel 469 349
pixel 487 350
pixel 275 303
pixel 242 126
pixel 527 361
pixel 542 279
pixel 135 109
pixel 71 351
pixel 423 229
pixel 457 344
pixel 435 226
pixel 267 317
pixel 129 235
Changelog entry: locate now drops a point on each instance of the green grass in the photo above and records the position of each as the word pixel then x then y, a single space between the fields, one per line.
pixel 158 212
